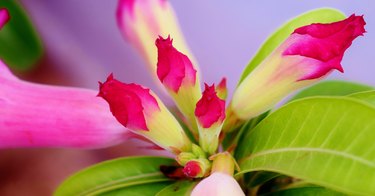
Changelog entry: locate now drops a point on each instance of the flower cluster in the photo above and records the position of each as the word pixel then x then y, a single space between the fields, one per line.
pixel 309 54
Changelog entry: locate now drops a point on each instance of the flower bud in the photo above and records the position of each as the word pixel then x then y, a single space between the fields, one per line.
pixel 197 168
pixel 219 184
pixel 177 74
pixel 4 17
pixel 308 55
pixel 141 22
pixel 221 89
pixel 140 110
pixel 210 114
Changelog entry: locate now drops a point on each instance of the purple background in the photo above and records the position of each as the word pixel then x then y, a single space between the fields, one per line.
pixel 84 42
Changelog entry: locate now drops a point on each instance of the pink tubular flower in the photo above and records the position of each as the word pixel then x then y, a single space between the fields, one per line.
pixel 210 114
pixel 138 109
pixel 178 75
pixel 4 17
pixel 218 184
pixel 141 22
pixel 307 56
pixel 34 115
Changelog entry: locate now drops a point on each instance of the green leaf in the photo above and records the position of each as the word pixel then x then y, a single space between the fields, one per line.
pixel 124 173
pixel 332 88
pixel 254 179
pixel 149 189
pixel 323 15
pixel 181 188
pixel 328 141
pixel 20 46
pixel 367 96
pixel 305 191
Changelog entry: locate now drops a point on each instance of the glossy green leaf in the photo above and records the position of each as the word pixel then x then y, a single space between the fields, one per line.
pixel 20 46
pixel 367 96
pixel 123 173
pixel 305 191
pixel 254 179
pixel 332 88
pixel 149 189
pixel 328 141
pixel 323 15
pixel 181 188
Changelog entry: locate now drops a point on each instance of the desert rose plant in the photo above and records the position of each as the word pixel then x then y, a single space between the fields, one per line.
pixel 319 142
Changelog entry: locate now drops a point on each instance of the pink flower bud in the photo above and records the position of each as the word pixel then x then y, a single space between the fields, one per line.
pixel 4 17
pixel 176 72
pixel 218 184
pixel 35 115
pixel 140 110
pixel 141 22
pixel 210 114
pixel 210 108
pixel 221 89
pixel 192 169
pixel 308 55
pixel 174 68
pixel 197 168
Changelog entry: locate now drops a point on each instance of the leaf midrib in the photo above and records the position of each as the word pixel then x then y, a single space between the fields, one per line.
pixel 309 149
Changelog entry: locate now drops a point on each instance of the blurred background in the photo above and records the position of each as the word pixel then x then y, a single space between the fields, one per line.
pixel 82 44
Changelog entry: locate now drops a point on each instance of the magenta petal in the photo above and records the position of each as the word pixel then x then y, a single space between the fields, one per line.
pixel 325 43
pixel 173 67
pixel 4 17
pixel 34 115
pixel 210 108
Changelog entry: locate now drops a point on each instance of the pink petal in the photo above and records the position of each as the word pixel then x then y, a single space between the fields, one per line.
pixel 35 115
pixel 210 108
pixel 128 102
pixel 173 67
pixel 4 17
pixel 325 43
pixel 218 184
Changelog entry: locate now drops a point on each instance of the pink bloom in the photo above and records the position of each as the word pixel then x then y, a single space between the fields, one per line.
pixel 307 56
pixel 173 68
pixel 210 114
pixel 129 103
pixel 34 115
pixel 218 184
pixel 210 108
pixel 323 45
pixel 4 17
pixel 140 110
pixel 178 75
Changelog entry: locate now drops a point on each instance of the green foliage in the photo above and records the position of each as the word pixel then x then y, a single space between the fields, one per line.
pixel 20 46
pixel 366 96
pixel 324 15
pixel 332 88
pixel 116 177
pixel 149 189
pixel 254 179
pixel 181 188
pixel 308 190
pixel 328 141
